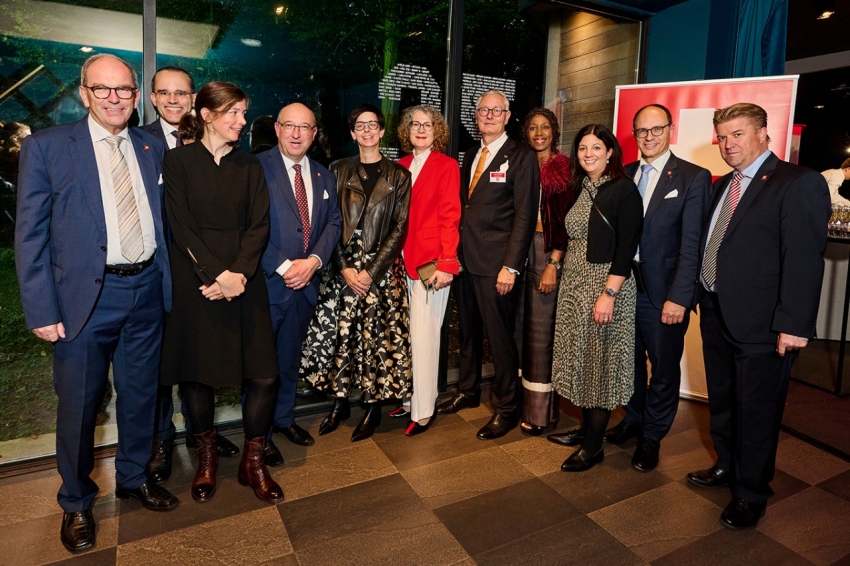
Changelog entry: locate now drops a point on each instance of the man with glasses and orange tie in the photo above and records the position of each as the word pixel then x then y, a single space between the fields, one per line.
pixel 500 191
pixel 95 281
pixel 305 225
pixel 761 270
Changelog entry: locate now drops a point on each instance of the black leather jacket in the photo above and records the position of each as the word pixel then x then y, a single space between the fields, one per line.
pixel 385 223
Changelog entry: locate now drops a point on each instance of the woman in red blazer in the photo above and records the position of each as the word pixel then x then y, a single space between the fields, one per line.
pixel 432 236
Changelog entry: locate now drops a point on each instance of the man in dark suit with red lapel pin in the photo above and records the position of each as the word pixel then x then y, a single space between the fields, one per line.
pixel 500 191
pixel 761 271
pixel 305 225
pixel 674 194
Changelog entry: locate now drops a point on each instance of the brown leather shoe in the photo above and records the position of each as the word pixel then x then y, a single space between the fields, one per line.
pixel 203 487
pixel 253 472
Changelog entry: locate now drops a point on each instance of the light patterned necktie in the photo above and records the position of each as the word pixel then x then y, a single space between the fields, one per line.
pixel 478 170
pixel 643 182
pixel 129 226
pixel 727 209
pixel 303 208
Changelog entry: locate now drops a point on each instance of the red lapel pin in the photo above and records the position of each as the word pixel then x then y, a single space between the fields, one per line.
pixel 147 148
pixel 669 173
pixel 764 177
pixel 318 174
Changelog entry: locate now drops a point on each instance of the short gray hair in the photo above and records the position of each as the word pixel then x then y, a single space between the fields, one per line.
pixel 99 56
pixel 497 92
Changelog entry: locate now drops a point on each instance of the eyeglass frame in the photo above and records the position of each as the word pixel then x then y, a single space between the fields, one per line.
pixel 132 90
pixel 167 93
pixel 426 126
pixel 371 125
pixel 290 127
pixel 496 110
pixel 647 131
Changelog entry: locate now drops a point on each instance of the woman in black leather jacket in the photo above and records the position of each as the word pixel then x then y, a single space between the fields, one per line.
pixel 360 333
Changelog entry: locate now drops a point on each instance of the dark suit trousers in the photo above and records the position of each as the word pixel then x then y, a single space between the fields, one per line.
pixel 654 406
pixel 290 322
pixel 164 411
pixel 477 303
pixel 747 387
pixel 126 328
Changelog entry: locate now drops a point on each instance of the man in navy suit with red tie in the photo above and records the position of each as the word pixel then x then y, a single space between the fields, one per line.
pixel 674 194
pixel 761 274
pixel 95 281
pixel 305 225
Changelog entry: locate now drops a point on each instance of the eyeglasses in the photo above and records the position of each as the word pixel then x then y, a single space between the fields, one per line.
pixel 103 92
pixel 169 93
pixel 288 127
pixel 656 131
pixel 416 126
pixel 483 111
pixel 371 125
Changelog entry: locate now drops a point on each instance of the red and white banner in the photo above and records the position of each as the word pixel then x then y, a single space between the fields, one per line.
pixel 693 104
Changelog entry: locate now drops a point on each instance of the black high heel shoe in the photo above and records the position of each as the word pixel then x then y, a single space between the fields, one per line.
pixel 399 412
pixel 371 420
pixel 340 412
pixel 414 428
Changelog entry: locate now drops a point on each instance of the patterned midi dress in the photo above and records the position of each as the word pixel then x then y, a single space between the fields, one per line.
pixel 593 365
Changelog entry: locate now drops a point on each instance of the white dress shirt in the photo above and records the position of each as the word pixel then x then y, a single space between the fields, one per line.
pixel 169 137
pixel 103 153
pixel 417 164
pixel 658 165
pixel 308 186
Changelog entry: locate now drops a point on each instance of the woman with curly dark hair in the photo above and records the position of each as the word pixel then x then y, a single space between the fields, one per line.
pixel 430 251
pixel 543 272
pixel 594 361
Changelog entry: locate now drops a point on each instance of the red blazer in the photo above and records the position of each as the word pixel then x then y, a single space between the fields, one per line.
pixel 432 228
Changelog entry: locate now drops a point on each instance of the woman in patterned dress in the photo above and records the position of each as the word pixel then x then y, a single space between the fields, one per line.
pixel 360 333
pixel 543 273
pixel 593 362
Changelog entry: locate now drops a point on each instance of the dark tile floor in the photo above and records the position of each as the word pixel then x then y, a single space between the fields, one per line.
pixel 447 498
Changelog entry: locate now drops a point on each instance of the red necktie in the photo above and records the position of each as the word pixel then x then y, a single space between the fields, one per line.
pixel 303 208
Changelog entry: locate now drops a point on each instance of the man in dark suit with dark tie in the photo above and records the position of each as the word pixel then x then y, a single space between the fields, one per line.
pixel 500 191
pixel 305 228
pixel 95 281
pixel 674 194
pixel 761 271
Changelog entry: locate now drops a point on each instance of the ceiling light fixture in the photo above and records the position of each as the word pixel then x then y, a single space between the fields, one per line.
pixel 279 10
pixel 818 106
pixel 86 49
pixel 825 14
pixel 251 42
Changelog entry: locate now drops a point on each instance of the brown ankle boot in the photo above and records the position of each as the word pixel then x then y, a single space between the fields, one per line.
pixel 253 472
pixel 203 487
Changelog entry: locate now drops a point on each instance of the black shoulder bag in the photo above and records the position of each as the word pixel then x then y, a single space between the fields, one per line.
pixel 637 266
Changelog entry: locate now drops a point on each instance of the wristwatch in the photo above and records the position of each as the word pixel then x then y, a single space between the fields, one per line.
pixel 611 293
pixel 558 265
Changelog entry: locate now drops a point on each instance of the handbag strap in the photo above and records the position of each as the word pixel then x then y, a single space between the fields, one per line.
pixel 599 211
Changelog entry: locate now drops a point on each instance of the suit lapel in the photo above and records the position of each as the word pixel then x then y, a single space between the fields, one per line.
pixel 753 189
pixel 662 186
pixel 85 164
pixel 147 166
pixel 318 194
pixel 280 181
pixel 382 188
pixel 424 175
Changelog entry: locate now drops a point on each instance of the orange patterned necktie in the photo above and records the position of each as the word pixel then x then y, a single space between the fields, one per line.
pixel 478 170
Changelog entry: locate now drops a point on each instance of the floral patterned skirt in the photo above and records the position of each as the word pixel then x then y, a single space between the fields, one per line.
pixel 361 341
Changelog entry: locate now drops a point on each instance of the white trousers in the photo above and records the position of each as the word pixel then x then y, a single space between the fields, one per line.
pixel 427 309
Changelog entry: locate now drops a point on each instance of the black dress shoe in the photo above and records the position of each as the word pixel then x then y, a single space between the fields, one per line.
pixel 370 421
pixel 646 455
pixel 530 429
pixel 296 435
pixel 580 461
pixel 622 432
pixel 159 467
pixel 456 403
pixel 497 427
pixel 77 531
pixel 152 496
pixel 712 477
pixel 414 428
pixel 223 447
pixel 572 437
pixel 740 514
pixel 399 412
pixel 271 455
pixel 340 412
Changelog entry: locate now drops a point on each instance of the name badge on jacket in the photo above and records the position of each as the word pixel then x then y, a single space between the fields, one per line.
pixel 498 177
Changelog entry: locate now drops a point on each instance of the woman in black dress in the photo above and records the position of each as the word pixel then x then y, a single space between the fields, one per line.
pixel 360 334
pixel 219 331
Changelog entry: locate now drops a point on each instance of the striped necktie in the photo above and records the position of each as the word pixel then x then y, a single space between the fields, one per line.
pixel 727 209
pixel 129 225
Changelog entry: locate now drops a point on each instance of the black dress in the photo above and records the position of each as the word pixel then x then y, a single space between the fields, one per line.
pixel 219 220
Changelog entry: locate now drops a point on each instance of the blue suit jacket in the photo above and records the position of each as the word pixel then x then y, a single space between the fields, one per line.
pixel 285 236
pixel 672 226
pixel 60 235
pixel 155 129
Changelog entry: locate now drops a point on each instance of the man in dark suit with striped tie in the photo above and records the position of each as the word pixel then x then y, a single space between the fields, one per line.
pixel 761 271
